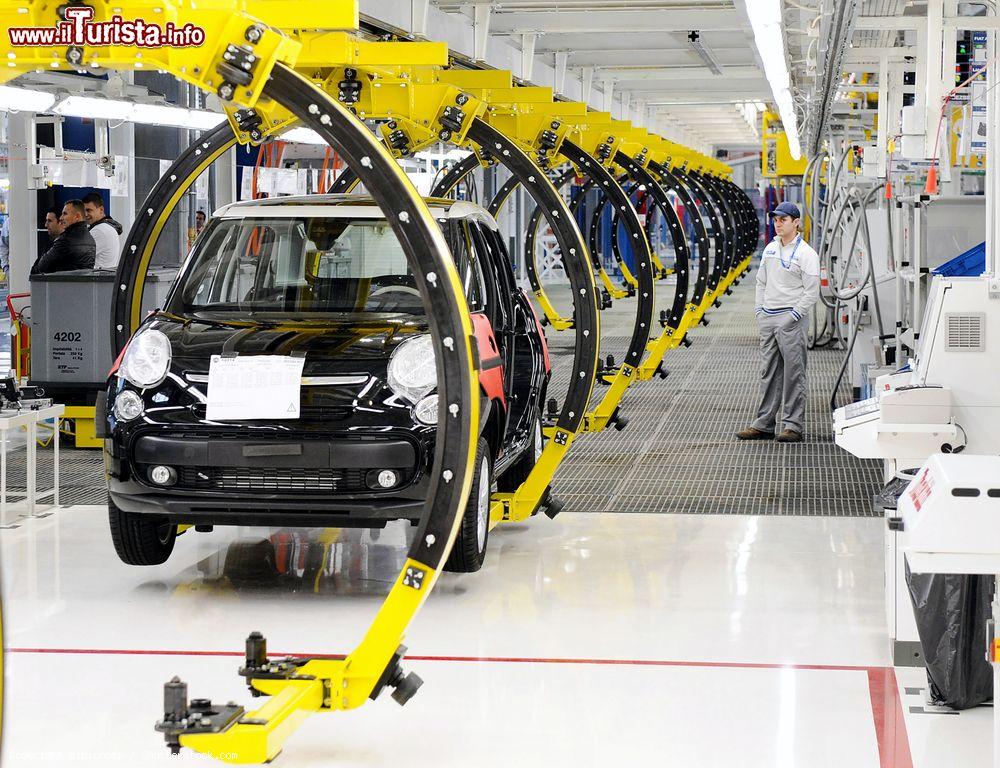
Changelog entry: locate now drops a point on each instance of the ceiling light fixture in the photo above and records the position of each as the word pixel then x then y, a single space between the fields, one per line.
pixel 94 108
pixel 765 18
pixel 176 117
pixel 24 99
pixel 303 136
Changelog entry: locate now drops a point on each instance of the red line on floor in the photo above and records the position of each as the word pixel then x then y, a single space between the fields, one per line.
pixel 475 659
pixel 887 709
pixel 890 726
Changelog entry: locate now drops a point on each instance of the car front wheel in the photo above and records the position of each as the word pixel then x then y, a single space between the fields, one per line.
pixel 469 549
pixel 140 539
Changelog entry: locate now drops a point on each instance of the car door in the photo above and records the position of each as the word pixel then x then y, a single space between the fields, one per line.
pixel 480 293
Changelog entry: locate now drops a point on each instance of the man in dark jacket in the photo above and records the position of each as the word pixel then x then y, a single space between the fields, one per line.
pixel 73 249
pixel 52 225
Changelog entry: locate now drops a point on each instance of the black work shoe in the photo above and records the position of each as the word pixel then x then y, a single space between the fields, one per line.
pixel 752 433
pixel 789 436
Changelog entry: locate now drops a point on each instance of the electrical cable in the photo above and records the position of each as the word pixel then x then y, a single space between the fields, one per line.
pixel 843 366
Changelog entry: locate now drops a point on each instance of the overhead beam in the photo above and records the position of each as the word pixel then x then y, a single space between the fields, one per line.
pixel 680 98
pixel 586 83
pixel 609 95
pixel 418 17
pixel 874 55
pixel 559 78
pixel 679 73
pixel 889 23
pixel 528 54
pixel 901 23
pixel 618 20
pixel 481 30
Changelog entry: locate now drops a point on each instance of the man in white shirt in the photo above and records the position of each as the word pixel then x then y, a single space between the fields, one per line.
pixel 104 230
pixel 787 288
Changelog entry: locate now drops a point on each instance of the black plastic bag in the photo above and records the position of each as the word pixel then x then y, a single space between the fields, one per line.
pixel 951 613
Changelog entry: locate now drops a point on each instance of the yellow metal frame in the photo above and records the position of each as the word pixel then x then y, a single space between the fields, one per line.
pixel 226 22
pixel 775 157
pixel 410 86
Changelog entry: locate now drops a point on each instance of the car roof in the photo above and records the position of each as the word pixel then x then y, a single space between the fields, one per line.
pixel 348 206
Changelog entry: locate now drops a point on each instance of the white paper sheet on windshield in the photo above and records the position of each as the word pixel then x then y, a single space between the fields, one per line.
pixel 254 387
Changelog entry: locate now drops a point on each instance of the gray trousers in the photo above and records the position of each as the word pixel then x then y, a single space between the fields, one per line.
pixel 782 371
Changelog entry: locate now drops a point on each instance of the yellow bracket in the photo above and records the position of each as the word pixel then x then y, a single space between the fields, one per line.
pixel 613 290
pixel 671 338
pixel 226 24
pixel 336 685
pixel 557 321
pixel 595 135
pixel 524 502
pixel 604 414
pixel 528 115
pixel 390 81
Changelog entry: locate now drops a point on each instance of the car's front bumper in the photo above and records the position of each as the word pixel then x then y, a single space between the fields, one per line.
pixel 288 479
pixel 269 510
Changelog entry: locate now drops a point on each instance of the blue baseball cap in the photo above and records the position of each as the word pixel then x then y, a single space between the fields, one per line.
pixel 787 209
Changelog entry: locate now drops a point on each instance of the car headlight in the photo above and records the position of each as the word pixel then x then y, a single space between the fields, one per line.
pixel 426 411
pixel 128 405
pixel 147 359
pixel 412 372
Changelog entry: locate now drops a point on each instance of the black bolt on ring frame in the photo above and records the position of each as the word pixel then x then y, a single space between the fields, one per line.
pixel 435 275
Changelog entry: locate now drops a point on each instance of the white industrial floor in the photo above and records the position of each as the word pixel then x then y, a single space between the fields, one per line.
pixel 593 639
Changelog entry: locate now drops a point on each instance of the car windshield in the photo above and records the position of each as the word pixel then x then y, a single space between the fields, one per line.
pixel 298 265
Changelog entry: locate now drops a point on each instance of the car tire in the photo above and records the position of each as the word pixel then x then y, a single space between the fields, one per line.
pixel 518 472
pixel 469 550
pixel 140 539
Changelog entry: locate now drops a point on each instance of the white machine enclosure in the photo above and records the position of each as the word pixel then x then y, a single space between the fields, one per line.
pixel 948 397
pixel 951 515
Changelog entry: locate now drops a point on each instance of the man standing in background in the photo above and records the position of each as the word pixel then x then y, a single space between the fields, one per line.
pixel 105 232
pixel 52 224
pixel 787 288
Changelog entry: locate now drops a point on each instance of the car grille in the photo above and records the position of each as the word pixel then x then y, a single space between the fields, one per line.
pixel 291 479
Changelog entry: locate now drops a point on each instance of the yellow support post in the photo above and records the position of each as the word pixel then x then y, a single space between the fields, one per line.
pixel 84 433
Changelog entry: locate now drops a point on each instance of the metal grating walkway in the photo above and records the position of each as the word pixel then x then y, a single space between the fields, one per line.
pixel 679 453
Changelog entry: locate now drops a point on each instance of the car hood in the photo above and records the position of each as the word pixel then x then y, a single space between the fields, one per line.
pixel 352 344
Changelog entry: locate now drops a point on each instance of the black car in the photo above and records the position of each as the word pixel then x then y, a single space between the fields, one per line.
pixel 324 279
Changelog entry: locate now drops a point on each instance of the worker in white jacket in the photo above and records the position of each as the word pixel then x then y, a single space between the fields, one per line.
pixel 787 288
pixel 105 231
